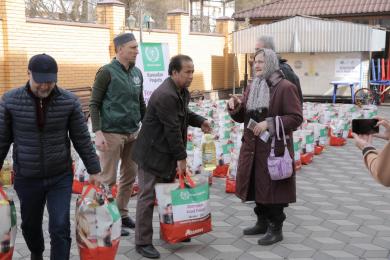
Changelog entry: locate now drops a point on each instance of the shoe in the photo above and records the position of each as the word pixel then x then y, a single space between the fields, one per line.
pixel 36 256
pixel 274 234
pixel 260 227
pixel 186 240
pixel 148 251
pixel 127 222
pixel 125 233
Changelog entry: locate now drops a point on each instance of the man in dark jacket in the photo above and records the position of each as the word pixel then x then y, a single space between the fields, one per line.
pixel 117 107
pixel 160 150
pixel 267 42
pixel 40 119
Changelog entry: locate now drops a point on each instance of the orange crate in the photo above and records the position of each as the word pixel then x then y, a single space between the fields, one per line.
pixel 307 158
pixel 318 149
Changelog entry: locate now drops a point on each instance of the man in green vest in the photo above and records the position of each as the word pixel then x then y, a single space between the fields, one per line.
pixel 117 107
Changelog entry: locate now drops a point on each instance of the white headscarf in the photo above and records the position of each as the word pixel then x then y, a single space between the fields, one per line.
pixel 258 98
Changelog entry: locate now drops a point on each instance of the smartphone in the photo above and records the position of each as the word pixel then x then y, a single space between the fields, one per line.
pixel 365 126
pixel 264 136
pixel 251 124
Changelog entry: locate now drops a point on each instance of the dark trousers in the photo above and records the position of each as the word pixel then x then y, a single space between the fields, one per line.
pixel 274 213
pixel 34 194
pixel 145 206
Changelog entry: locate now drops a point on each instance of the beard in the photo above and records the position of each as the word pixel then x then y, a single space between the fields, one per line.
pixel 42 93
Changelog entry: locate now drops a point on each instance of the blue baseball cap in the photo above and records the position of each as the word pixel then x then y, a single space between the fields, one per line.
pixel 43 68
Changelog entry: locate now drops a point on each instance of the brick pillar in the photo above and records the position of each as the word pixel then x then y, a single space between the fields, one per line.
pixel 2 32
pixel 13 54
pixel 112 13
pixel 179 21
pixel 225 26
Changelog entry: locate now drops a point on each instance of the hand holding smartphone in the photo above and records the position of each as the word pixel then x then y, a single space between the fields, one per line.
pixel 264 136
pixel 365 126
pixel 251 124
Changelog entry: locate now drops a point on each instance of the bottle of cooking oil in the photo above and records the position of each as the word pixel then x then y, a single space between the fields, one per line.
pixel 209 157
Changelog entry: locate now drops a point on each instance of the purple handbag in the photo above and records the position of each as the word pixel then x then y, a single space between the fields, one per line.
pixel 279 168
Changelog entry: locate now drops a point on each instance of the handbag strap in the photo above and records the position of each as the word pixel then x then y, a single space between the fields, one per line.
pixel 278 120
pixel 272 154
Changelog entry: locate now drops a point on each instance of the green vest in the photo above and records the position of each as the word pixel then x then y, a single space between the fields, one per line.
pixel 120 110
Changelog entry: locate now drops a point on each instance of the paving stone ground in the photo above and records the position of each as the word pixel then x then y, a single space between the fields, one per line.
pixel 341 213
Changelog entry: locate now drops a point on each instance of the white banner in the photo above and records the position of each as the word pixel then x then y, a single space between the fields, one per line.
pixel 153 61
pixel 348 69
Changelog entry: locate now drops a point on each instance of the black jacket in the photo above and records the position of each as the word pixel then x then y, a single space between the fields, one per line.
pixel 41 153
pixel 291 76
pixel 163 135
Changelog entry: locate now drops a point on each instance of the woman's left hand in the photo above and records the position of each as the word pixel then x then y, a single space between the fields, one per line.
pixel 260 128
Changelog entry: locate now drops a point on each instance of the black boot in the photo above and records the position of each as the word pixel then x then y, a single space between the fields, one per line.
pixel 259 228
pixel 274 234
pixel 127 222
pixel 148 251
pixel 35 256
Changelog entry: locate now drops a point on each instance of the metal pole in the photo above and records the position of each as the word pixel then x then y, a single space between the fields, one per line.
pixel 141 6
pixel 234 74
pixel 201 15
pixel 191 16
pixel 246 71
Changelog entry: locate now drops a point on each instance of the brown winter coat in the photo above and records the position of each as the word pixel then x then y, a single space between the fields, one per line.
pixel 253 181
pixel 163 135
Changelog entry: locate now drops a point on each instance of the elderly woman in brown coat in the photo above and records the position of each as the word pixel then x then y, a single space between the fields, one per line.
pixel 270 95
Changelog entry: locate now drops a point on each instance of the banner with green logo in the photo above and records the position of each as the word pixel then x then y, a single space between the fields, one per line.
pixel 185 204
pixel 152 57
pixel 153 61
pixel 190 203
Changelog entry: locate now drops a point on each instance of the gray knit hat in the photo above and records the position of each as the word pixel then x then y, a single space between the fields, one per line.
pixel 123 38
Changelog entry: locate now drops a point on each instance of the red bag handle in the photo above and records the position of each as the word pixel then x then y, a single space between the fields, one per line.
pixel 2 192
pixel 190 181
pixel 185 178
pixel 89 188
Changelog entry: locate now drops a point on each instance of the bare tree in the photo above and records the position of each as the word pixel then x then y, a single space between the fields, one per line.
pixel 76 10
pixel 247 4
pixel 75 13
pixel 156 9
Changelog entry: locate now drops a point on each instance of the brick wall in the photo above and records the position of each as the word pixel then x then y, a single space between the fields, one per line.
pixel 2 68
pixel 80 49
pixel 207 53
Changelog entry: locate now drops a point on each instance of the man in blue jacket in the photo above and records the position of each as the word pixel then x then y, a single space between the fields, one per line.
pixel 41 119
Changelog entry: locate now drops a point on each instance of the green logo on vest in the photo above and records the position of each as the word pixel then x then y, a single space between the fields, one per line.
pixel 152 56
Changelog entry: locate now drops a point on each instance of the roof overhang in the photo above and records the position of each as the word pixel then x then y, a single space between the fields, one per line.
pixel 312 34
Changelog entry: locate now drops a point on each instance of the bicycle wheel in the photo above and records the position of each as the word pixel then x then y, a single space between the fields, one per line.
pixel 364 96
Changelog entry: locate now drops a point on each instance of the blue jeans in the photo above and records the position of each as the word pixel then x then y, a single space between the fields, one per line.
pixel 33 195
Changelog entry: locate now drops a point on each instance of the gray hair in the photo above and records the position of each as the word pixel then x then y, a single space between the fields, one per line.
pixel 268 42
pixel 271 61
